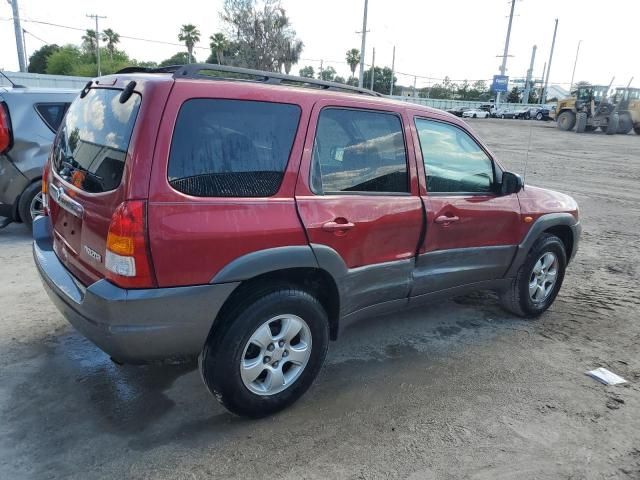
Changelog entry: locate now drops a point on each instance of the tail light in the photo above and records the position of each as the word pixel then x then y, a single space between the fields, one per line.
pixel 6 138
pixel 45 187
pixel 127 258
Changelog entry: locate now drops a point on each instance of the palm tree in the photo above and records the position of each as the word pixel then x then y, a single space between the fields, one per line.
pixel 111 38
pixel 89 41
pixel 190 35
pixel 218 45
pixel 291 54
pixel 353 59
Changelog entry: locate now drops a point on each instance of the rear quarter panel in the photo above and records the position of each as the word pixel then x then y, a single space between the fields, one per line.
pixel 193 238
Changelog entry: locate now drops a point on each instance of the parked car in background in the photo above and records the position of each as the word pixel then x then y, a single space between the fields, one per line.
pixel 295 211
pixel 29 119
pixel 542 113
pixel 476 113
pixel 503 113
pixel 458 111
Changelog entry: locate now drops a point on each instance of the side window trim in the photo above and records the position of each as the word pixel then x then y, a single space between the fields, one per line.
pixel 497 171
pixel 364 193
pixel 63 105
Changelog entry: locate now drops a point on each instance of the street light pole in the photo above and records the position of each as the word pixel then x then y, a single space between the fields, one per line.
pixel 373 67
pixel 546 81
pixel 574 65
pixel 96 17
pixel 364 43
pixel 505 54
pixel 22 61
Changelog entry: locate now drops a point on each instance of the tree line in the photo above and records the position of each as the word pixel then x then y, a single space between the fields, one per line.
pixel 256 34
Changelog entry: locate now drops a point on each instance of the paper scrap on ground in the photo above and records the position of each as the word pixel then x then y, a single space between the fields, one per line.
pixel 605 376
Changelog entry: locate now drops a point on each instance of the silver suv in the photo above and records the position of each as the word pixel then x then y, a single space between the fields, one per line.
pixel 29 119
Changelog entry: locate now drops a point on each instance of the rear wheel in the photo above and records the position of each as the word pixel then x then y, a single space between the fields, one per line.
pixel 612 126
pixel 581 122
pixel 625 124
pixel 637 129
pixel 502 116
pixel 538 280
pixel 566 120
pixel 267 354
pixel 30 204
pixel 475 116
pixel 539 116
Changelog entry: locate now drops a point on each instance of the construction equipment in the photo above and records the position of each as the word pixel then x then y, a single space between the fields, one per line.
pixel 587 109
pixel 627 101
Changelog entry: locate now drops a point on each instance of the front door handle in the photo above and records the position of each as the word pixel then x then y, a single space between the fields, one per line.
pixel 445 220
pixel 339 225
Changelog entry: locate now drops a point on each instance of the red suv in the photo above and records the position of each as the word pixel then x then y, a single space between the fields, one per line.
pixel 247 217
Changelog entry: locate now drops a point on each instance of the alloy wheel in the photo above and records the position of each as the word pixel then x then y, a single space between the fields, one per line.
pixel 36 208
pixel 543 277
pixel 275 355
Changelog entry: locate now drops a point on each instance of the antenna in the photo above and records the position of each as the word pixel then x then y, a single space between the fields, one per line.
pixel 15 85
pixel 526 161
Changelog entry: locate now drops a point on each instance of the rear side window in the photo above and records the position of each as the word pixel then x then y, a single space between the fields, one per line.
pixel 91 147
pixel 231 148
pixel 52 113
pixel 359 151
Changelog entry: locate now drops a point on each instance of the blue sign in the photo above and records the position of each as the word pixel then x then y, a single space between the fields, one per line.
pixel 500 83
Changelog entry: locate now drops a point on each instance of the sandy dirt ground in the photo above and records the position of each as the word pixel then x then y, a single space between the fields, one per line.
pixel 457 390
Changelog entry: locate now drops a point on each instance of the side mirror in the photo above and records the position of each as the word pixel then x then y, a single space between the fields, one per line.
pixel 511 183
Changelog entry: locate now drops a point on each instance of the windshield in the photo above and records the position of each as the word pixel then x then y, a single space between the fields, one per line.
pixel 91 148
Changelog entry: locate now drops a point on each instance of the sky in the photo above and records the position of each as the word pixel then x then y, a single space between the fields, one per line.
pixel 460 39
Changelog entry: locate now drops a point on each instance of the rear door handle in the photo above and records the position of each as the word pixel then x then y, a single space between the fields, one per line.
pixel 337 227
pixel 443 219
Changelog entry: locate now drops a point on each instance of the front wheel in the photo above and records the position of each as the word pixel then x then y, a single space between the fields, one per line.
pixel 539 116
pixel 538 280
pixel 265 356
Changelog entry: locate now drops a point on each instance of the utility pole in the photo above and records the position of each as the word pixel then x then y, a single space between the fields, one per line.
pixel 24 46
pixel 364 43
pixel 527 85
pixel 373 67
pixel 17 28
pixel 415 79
pixel 544 70
pixel 574 66
pixel 96 17
pixel 321 68
pixel 393 69
pixel 546 81
pixel 505 54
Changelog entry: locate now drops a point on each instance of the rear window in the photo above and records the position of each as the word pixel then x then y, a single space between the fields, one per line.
pixel 91 148
pixel 231 148
pixel 52 113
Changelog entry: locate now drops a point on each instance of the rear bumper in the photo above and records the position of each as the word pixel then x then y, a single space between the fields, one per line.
pixel 132 326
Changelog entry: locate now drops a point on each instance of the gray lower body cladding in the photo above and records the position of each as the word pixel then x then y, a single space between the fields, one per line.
pixel 132 326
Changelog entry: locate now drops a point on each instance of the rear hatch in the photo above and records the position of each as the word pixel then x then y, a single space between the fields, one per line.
pixel 89 163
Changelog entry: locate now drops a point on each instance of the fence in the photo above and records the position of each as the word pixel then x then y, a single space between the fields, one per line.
pixel 450 104
pixel 42 80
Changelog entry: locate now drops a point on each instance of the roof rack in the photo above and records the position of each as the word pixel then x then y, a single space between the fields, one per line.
pixel 225 72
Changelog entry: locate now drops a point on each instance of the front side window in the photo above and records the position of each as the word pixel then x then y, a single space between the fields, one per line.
pixel 453 161
pixel 91 148
pixel 358 151
pixel 231 148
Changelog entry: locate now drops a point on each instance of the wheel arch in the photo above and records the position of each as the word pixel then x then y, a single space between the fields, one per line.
pixel 563 225
pixel 259 271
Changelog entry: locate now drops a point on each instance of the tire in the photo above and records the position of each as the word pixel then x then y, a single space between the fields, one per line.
pixel 517 298
pixel 475 116
pixel 566 120
pixel 612 125
pixel 28 201
pixel 227 348
pixel 636 129
pixel 625 124
pixel 539 116
pixel 581 122
pixel 502 116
